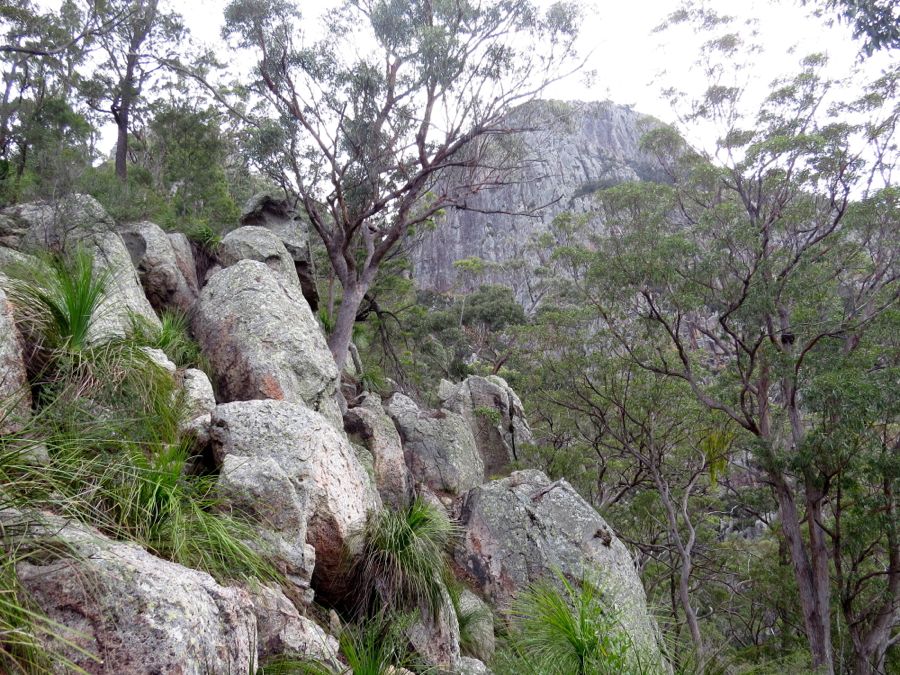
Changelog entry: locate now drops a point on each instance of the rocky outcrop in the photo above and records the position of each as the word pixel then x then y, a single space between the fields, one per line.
pixel 478 636
pixel 134 612
pixel 369 425
pixel 283 632
pixel 438 445
pixel 288 468
pixel 166 273
pixel 197 403
pixel 574 149
pixel 15 394
pixel 257 243
pixel 277 216
pixel 526 527
pixel 469 666
pixel 262 340
pixel 80 222
pixel 435 637
pixel 495 415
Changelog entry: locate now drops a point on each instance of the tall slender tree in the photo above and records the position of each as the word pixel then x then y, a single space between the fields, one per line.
pixel 364 126
pixel 134 50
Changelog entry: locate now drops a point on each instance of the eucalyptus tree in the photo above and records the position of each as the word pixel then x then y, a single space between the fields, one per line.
pixel 766 283
pixel 143 38
pixel 42 131
pixel 363 123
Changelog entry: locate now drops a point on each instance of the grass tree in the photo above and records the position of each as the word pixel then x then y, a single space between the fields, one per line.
pixel 561 628
pixel 403 564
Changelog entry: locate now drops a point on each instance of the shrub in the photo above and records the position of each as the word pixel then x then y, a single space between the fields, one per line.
pixel 377 646
pixel 403 563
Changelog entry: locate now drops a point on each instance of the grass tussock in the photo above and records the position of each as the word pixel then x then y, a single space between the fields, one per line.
pixel 108 425
pixel 58 300
pixel 30 642
pixel 563 629
pixel 173 337
pixel 403 565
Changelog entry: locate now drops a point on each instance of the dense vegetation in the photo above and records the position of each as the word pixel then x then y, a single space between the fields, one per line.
pixel 714 363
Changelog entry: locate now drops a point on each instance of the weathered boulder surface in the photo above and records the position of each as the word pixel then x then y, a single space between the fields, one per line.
pixel 526 527
pixel 257 243
pixel 198 401
pixel 169 280
pixel 262 340
pixel 435 638
pixel 15 395
pixel 479 638
pixel 137 613
pixel 277 216
pixel 368 423
pixel 470 666
pixel 283 631
pixel 286 466
pixel 80 222
pixel 438 445
pixel 495 415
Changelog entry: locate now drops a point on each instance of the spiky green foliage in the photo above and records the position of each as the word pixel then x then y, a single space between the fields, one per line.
pixel 377 646
pixel 171 336
pixel 289 666
pixel 204 236
pixel 30 642
pixel 137 491
pixel 403 563
pixel 563 629
pixel 113 384
pixel 58 299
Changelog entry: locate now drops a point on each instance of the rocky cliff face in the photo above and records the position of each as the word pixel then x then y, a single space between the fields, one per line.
pixel 579 148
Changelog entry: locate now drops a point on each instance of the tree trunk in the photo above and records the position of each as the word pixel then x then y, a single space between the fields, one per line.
pixel 122 142
pixel 814 604
pixel 686 559
pixel 339 340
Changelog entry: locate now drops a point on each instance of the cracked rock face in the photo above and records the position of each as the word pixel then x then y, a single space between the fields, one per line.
pixel 282 631
pixel 277 216
pixel 480 627
pixel 578 148
pixel 263 342
pixel 288 468
pixel 526 527
pixel 165 266
pixel 257 243
pixel 436 638
pixel 137 613
pixel 15 395
pixel 438 445
pixel 495 416
pixel 371 426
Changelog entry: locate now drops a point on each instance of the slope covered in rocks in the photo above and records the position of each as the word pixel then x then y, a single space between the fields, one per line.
pixel 264 432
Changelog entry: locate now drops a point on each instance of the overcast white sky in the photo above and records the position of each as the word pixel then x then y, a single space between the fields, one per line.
pixel 632 63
